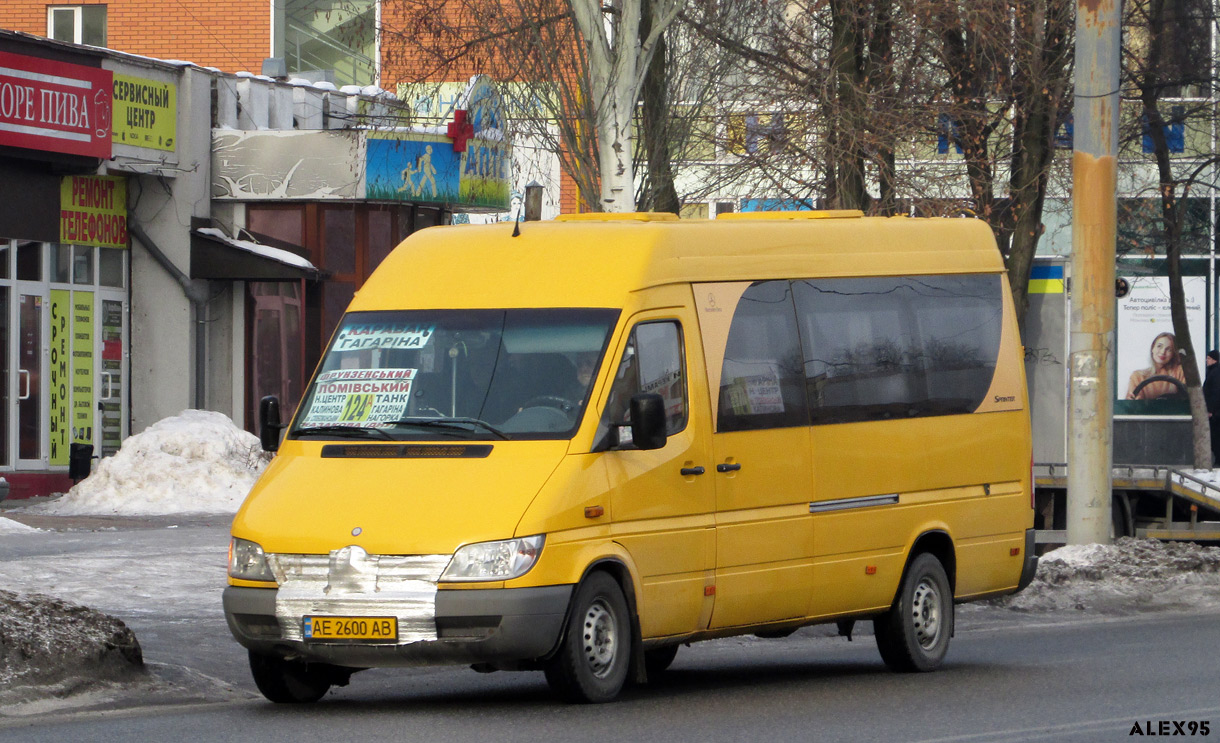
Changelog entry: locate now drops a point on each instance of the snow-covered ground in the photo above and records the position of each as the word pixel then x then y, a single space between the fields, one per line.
pixel 8 526
pixel 197 462
pixel 194 462
pixel 1128 576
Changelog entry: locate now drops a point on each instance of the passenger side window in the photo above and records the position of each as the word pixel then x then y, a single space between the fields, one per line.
pixel 652 362
pixel 762 378
pixel 898 347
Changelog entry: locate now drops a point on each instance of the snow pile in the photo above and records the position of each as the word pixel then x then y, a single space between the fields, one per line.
pixel 8 526
pixel 194 462
pixel 46 643
pixel 1130 575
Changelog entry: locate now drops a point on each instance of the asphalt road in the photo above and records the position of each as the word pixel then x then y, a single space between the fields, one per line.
pixel 1077 681
pixel 1008 676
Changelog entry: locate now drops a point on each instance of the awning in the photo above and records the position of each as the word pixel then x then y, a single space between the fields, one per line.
pixel 215 255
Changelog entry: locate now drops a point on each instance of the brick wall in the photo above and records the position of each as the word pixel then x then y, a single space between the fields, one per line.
pixel 233 35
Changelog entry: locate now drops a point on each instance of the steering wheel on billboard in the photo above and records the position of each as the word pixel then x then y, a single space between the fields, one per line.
pixel 1180 391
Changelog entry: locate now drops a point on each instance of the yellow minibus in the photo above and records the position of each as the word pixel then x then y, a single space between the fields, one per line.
pixel 573 446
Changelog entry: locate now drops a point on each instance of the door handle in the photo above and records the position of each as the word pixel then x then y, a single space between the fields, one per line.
pixel 688 471
pixel 108 385
pixel 24 373
pixel 728 467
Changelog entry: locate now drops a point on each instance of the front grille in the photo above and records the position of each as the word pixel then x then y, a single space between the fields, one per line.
pixel 351 582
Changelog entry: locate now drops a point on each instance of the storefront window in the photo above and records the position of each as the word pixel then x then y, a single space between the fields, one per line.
pixel 6 254
pixel 110 267
pixel 82 265
pixel 61 264
pixel 29 261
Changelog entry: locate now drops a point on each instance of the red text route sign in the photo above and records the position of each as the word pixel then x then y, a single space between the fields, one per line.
pixel 55 106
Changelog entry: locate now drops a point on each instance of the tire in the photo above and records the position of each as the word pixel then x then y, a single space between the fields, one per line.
pixel 289 681
pixel 914 634
pixel 657 660
pixel 595 653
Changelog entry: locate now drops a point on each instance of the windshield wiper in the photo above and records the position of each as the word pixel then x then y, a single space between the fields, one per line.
pixel 361 430
pixel 453 424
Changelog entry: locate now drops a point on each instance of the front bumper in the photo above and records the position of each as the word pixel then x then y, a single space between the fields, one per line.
pixel 498 626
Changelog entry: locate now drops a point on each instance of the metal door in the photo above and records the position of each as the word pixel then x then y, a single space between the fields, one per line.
pixel 28 383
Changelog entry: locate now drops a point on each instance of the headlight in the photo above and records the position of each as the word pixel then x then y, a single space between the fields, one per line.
pixel 505 560
pixel 247 561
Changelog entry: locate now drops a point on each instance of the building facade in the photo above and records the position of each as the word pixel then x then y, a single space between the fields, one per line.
pixel 175 237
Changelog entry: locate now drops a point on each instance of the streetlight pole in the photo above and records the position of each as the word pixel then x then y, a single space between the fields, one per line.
pixel 1094 215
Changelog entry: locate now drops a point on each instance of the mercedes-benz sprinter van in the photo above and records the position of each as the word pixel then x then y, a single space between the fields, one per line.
pixel 576 448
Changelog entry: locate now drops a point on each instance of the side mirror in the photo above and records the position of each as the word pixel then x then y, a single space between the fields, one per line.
pixel 269 425
pixel 648 421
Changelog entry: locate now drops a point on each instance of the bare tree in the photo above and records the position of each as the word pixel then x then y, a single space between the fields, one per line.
pixel 825 95
pixel 1007 77
pixel 1162 60
pixel 618 58
pixel 575 70
pixel 873 81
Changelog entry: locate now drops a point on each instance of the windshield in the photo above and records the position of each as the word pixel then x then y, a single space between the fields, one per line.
pixel 473 374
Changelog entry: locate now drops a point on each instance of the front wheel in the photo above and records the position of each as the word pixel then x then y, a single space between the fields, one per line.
pixel 289 681
pixel 593 660
pixel 914 634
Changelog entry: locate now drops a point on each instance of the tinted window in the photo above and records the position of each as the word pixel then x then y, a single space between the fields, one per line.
pixel 761 381
pixel 878 348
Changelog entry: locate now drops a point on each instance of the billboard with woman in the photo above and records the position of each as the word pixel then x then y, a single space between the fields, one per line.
pixel 1150 376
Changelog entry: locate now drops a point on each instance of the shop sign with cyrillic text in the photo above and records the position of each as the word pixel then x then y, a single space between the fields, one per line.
pixel 145 112
pixel 55 106
pixel 93 211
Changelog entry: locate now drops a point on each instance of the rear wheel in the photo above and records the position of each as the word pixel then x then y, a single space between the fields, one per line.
pixel 593 660
pixel 914 634
pixel 290 681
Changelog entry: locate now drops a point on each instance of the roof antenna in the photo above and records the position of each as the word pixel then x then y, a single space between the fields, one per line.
pixel 517 218
pixel 532 204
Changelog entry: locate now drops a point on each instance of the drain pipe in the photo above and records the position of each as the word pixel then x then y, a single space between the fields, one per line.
pixel 195 294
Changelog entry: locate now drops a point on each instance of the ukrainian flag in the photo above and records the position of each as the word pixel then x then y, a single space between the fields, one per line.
pixel 1046 280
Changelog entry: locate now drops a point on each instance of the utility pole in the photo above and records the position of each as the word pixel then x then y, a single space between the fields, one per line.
pixel 1094 215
